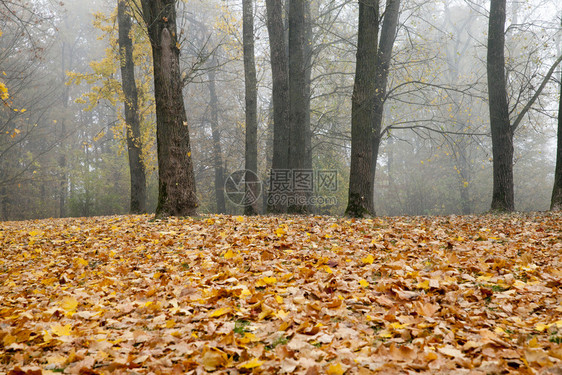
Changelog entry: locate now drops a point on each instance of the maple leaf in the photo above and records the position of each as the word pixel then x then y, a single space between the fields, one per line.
pixel 60 330
pixel 368 259
pixel 253 363
pixel 69 304
pixel 219 312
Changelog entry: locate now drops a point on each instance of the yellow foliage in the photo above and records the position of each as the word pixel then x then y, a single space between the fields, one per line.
pixel 3 91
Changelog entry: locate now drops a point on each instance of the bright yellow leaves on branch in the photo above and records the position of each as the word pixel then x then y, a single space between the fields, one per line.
pixel 3 91
pixel 105 85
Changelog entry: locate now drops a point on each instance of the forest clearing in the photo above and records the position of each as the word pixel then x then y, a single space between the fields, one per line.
pixel 282 294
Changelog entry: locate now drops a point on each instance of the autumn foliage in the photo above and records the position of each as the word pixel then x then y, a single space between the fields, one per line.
pixel 473 294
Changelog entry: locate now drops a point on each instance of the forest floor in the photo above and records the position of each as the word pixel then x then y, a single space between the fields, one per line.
pixel 308 295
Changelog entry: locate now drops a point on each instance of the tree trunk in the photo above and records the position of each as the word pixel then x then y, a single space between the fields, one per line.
pixel 556 201
pixel 360 200
pixel 251 187
pixel 280 98
pixel 308 52
pixel 382 66
pixel 132 119
pixel 302 183
pixel 176 181
pixel 217 150
pixel 502 132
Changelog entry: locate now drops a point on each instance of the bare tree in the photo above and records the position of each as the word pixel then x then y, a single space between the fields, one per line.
pixel 132 119
pixel 280 96
pixel 298 102
pixel 251 80
pixel 382 66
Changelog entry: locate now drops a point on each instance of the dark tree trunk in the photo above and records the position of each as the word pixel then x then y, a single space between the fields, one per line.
pixel 251 83
pixel 132 119
pixel 217 150
pixel 176 180
pixel 556 201
pixel 308 52
pixel 360 200
pixel 280 97
pixel 502 132
pixel 384 56
pixel 297 107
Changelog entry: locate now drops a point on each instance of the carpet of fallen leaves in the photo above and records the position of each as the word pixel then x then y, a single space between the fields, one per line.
pixel 227 294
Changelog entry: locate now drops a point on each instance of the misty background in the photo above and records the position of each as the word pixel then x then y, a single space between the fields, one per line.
pixel 62 135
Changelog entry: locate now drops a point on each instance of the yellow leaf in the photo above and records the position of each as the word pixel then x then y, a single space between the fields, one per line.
pixel 47 336
pixel 213 358
pixel 499 331
pixel 541 327
pixel 368 259
pixel 252 363
pixel 364 283
pixel 170 323
pixel 335 369
pixel 266 281
pixel 220 312
pixel 229 254
pixel 56 360
pixel 397 325
pixel 9 340
pixel 69 304
pixel 240 219
pixel 534 342
pixel 34 233
pixel 279 232
pixel 61 330
pixel 4 91
pixel 423 285
pixel 385 334
pixel 248 338
pixel 82 262
pixel 279 299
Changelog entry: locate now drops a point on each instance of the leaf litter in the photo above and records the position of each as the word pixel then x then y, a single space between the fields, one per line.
pixel 304 295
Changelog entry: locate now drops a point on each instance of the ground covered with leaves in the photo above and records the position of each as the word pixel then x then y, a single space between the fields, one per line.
pixel 472 294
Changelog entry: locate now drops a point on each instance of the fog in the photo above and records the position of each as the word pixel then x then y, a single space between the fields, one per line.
pixel 63 146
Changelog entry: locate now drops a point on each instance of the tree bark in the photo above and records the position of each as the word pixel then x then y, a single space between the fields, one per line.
pixel 134 143
pixel 360 199
pixel 176 181
pixel 382 66
pixel 297 107
pixel 251 165
pixel 308 52
pixel 280 98
pixel 217 149
pixel 502 132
